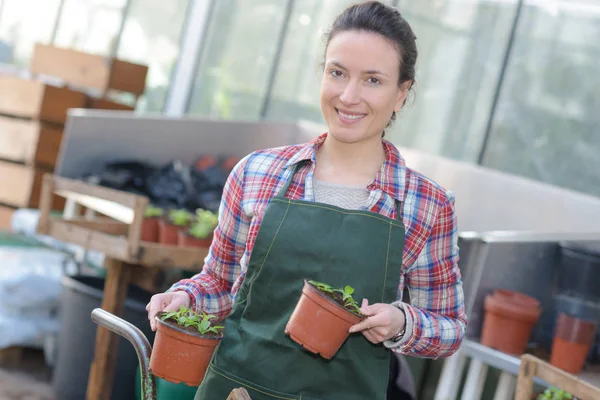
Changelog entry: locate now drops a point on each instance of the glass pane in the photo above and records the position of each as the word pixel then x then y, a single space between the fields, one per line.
pixel 237 59
pixel 296 91
pixel 461 49
pixel 21 28
pixel 148 40
pixel 546 126
pixel 90 25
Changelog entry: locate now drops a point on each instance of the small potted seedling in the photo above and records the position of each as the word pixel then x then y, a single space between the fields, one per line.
pixel 183 346
pixel 553 393
pixel 149 232
pixel 201 230
pixel 176 221
pixel 322 318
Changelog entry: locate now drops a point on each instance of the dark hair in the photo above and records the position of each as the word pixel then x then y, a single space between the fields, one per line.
pixel 384 20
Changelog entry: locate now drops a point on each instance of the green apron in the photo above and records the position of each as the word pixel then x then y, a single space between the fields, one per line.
pixel 300 240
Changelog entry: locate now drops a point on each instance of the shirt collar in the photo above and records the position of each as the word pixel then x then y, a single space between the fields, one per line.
pixel 390 179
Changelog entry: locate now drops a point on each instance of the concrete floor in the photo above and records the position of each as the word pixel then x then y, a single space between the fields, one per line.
pixel 28 379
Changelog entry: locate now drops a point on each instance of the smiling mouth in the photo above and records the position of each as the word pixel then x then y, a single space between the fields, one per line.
pixel 353 117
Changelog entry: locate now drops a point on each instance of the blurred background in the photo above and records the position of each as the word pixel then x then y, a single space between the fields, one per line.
pixel 161 98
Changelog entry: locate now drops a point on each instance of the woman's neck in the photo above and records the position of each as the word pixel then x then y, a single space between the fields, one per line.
pixel 349 163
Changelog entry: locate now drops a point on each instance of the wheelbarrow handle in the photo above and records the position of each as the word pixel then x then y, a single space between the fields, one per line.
pixel 140 343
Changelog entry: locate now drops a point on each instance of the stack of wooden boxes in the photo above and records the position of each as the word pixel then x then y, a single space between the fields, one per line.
pixel 33 113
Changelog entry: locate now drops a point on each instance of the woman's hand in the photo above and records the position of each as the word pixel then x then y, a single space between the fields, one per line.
pixel 171 301
pixel 383 323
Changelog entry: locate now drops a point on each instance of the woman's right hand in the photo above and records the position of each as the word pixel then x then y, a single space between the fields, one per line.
pixel 171 301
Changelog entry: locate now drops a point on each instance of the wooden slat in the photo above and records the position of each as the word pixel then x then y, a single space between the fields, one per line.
pixel 48 146
pixel 111 246
pixel 46 190
pixel 156 255
pixel 532 367
pixel 16 184
pixel 101 376
pixel 100 224
pixel 58 203
pixel 70 186
pixel 135 229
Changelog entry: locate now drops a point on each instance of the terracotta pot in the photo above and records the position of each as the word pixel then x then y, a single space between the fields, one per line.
pixel 508 324
pixel 149 230
pixel 184 239
pixel 168 232
pixel 319 323
pixel 573 338
pixel 180 356
pixel 517 298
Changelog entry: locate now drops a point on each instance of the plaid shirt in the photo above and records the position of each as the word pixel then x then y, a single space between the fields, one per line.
pixel 435 318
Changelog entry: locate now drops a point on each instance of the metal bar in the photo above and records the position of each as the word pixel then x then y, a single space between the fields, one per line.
pixel 59 12
pixel 289 8
pixel 140 343
pixel 117 42
pixel 192 40
pixel 507 54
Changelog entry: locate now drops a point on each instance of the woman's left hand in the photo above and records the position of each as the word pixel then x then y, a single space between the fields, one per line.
pixel 384 321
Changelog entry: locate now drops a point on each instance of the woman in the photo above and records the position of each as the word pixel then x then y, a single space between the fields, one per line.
pixel 342 209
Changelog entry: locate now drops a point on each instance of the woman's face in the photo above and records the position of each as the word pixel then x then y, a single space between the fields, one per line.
pixel 359 89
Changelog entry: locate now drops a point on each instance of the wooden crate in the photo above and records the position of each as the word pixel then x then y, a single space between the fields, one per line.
pixel 89 70
pixel 21 186
pixel 36 100
pixel 29 142
pixel 118 237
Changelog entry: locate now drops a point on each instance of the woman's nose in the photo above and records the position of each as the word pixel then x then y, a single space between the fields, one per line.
pixel 350 94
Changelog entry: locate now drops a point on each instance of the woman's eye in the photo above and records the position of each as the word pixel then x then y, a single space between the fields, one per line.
pixel 374 81
pixel 337 73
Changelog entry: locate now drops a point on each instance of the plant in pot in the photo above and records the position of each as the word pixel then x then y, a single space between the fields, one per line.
pixel 176 221
pixel 183 346
pixel 322 318
pixel 553 393
pixel 201 231
pixel 152 215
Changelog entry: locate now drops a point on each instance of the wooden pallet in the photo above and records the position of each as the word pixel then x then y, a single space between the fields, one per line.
pixel 532 366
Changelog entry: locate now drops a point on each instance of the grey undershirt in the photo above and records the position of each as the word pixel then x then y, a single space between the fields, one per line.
pixel 350 197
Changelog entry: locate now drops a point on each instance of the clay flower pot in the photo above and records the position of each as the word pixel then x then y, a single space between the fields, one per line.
pixel 184 239
pixel 320 324
pixel 573 338
pixel 509 321
pixel 149 229
pixel 168 232
pixel 180 356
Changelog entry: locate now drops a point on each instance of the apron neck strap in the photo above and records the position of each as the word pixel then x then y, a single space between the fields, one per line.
pixel 282 193
pixel 284 189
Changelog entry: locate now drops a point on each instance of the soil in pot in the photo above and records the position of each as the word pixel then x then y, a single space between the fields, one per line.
pixel 181 354
pixel 186 240
pixel 508 325
pixel 168 232
pixel 149 229
pixel 321 322
pixel 573 338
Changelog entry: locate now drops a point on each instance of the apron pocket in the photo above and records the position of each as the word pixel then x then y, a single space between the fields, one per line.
pixel 255 391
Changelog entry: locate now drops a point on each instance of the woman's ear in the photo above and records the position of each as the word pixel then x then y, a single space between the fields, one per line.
pixel 402 94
